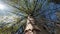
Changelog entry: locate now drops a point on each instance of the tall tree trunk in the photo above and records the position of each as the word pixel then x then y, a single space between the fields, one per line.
pixel 31 28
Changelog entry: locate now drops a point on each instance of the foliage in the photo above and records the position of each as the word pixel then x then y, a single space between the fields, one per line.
pixel 18 10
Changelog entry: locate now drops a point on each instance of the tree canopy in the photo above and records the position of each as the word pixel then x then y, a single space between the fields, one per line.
pixel 15 13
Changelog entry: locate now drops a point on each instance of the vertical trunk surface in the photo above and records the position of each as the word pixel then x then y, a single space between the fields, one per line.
pixel 31 28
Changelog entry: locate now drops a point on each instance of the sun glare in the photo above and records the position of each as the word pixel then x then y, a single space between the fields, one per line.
pixel 2 6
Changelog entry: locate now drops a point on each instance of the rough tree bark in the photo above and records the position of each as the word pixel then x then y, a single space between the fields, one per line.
pixel 31 28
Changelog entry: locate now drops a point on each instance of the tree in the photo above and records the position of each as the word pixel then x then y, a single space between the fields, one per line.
pixel 29 13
